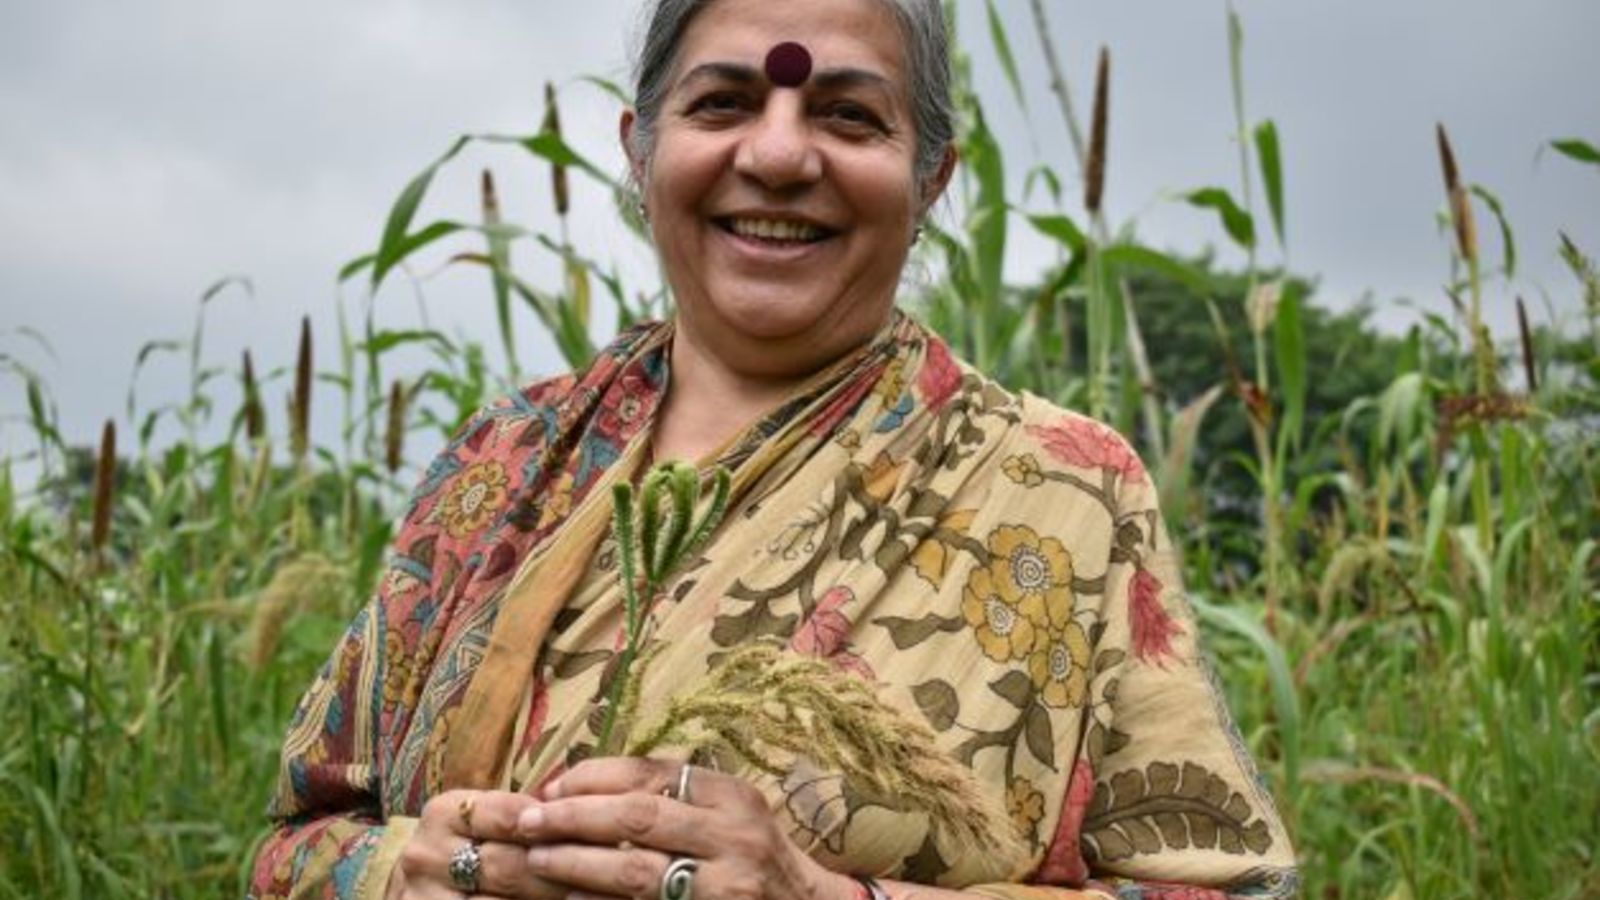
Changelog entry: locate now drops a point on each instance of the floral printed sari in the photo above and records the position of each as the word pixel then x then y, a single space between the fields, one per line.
pixel 992 564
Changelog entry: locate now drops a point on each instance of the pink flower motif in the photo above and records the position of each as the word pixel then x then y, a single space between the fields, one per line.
pixel 940 375
pixel 826 634
pixel 1063 861
pixel 1087 444
pixel 1153 628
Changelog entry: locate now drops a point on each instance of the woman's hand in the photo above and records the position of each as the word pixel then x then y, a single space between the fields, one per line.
pixel 609 828
pixel 449 823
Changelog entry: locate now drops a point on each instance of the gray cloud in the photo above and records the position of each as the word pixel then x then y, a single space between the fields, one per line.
pixel 148 149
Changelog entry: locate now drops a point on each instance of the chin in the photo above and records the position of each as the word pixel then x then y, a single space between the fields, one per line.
pixel 777 316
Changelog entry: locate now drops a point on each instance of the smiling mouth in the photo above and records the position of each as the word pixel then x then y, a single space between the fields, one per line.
pixel 774 231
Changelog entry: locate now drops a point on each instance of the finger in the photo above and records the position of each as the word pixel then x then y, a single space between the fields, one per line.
pixel 632 872
pixel 646 820
pixel 503 870
pixel 506 873
pixel 614 775
pixel 481 815
pixel 619 775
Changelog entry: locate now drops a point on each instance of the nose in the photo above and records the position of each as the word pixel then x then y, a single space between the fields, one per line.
pixel 779 150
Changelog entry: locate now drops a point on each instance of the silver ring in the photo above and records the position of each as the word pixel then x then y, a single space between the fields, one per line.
pixel 466 865
pixel 677 882
pixel 682 793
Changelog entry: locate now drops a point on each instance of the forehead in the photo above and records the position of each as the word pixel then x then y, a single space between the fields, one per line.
pixel 856 34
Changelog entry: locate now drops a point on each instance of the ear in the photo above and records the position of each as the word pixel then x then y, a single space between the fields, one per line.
pixel 625 133
pixel 933 189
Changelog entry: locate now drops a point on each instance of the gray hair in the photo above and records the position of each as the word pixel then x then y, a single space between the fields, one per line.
pixel 927 46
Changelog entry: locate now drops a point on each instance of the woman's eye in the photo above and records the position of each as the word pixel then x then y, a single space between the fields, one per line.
pixel 718 103
pixel 854 116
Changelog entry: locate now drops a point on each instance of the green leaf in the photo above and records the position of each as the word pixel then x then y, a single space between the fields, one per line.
pixel 407 246
pixel 987 223
pixel 1002 49
pixel 392 247
pixel 388 340
pixel 1238 223
pixel 1270 159
pixel 551 148
pixel 1062 228
pixel 1286 702
pixel 610 87
pixel 1133 256
pixel 1580 150
pixel 1046 176
pixel 1507 241
pixel 222 284
pixel 1289 342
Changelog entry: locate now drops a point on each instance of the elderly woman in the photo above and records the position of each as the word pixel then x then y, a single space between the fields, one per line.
pixel 992 565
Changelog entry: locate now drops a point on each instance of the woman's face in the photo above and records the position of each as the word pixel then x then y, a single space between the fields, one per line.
pixel 783 215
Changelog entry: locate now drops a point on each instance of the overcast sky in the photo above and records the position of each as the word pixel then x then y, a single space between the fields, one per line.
pixel 147 149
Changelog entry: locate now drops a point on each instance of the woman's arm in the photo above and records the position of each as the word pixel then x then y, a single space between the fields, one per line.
pixel 326 803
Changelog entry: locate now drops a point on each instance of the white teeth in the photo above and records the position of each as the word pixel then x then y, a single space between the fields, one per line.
pixel 774 230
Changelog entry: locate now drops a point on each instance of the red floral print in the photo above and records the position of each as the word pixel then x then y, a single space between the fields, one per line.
pixel 1153 628
pixel 940 375
pixel 826 634
pixel 1087 444
pixel 1063 860
pixel 624 406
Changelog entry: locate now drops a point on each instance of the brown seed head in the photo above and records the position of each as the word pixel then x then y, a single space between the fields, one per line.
pixel 558 173
pixel 300 404
pixel 105 473
pixel 490 198
pixel 1460 206
pixel 1095 167
pixel 254 421
pixel 1529 366
pixel 394 438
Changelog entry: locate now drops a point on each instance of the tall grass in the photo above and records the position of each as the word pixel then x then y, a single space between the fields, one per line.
pixel 1411 648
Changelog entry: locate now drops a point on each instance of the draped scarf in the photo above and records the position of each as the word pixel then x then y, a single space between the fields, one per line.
pixel 994 565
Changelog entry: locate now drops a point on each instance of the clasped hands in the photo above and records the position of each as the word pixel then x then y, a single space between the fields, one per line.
pixel 609 828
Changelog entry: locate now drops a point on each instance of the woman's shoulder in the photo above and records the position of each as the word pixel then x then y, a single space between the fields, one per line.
pixel 1049 436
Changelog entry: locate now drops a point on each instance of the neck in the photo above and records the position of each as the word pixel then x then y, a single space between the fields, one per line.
pixel 708 402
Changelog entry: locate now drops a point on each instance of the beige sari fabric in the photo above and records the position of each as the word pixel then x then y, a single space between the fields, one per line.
pixel 995 565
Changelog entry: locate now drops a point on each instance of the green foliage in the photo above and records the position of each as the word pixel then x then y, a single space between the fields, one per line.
pixel 1397 559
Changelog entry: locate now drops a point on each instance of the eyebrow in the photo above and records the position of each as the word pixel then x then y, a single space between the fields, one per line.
pixel 826 79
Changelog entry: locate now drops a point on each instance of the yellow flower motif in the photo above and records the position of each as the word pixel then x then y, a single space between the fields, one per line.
pixel 474 498
pixel 1026 805
pixel 892 383
pixel 1059 665
pixel 1023 469
pixel 933 556
pixel 558 503
pixel 1026 586
pixel 397 668
pixel 1004 632
pixel 1032 574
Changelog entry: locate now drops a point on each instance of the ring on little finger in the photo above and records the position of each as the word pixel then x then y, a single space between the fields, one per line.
pixel 677 882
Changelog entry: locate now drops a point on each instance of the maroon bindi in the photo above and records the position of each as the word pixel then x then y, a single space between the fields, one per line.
pixel 788 65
